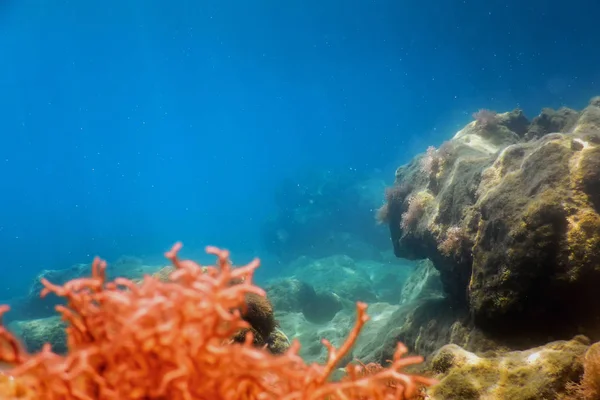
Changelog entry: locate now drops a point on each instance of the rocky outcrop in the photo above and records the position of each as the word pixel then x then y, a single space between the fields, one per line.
pixel 508 211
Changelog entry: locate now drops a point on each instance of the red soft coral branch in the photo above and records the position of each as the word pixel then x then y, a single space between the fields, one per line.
pixel 172 340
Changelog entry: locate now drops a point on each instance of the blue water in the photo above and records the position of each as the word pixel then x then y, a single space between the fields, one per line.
pixel 127 125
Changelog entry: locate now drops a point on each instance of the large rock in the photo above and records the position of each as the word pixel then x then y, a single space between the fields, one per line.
pixel 539 373
pixel 511 224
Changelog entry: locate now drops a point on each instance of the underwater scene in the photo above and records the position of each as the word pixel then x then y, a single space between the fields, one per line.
pixel 325 200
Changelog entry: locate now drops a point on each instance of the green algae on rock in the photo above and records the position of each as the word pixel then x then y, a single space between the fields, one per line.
pixel 539 373
pixel 513 221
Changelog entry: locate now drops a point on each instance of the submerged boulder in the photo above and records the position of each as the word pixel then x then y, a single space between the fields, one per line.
pixel 511 223
pixel 539 373
pixel 37 332
pixel 338 274
pixel 292 295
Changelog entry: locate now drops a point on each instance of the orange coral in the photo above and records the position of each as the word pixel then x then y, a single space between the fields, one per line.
pixel 171 340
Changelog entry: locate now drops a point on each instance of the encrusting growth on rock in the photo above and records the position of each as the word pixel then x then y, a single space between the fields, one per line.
pixel 172 340
pixel 508 210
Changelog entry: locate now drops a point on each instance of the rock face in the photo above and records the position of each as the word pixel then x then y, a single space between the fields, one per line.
pixel 508 211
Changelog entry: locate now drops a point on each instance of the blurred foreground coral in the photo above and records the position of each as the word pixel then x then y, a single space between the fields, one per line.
pixel 172 340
